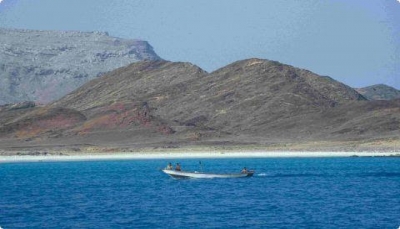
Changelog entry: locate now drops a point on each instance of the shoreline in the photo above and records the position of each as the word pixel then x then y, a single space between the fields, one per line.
pixel 73 156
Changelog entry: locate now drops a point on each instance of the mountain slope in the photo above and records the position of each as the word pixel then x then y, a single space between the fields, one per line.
pixel 245 95
pixel 379 92
pixel 237 98
pixel 43 66
pixel 161 103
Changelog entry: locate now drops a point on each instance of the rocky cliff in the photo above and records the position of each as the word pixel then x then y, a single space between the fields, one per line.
pixel 43 66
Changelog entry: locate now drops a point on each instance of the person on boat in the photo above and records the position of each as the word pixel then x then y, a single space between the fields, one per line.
pixel 178 167
pixel 244 170
pixel 169 166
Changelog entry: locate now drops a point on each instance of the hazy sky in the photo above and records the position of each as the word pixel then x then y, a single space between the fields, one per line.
pixel 354 41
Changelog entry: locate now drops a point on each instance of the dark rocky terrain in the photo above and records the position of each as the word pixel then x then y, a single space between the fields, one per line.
pixel 379 92
pixel 252 102
pixel 42 66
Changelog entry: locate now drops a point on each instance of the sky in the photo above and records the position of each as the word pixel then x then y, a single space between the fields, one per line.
pixel 356 42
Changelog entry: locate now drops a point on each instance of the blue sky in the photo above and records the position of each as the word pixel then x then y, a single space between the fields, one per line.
pixel 356 42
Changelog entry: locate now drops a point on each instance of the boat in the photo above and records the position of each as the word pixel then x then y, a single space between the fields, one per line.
pixel 188 175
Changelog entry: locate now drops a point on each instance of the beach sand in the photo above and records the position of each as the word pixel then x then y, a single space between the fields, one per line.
pixel 74 156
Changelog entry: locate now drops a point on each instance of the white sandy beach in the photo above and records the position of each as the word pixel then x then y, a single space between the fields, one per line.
pixel 188 155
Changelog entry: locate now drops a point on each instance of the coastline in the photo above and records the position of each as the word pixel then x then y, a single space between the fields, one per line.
pixel 74 156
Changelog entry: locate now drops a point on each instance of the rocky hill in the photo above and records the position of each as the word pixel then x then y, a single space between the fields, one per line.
pixel 167 104
pixel 42 66
pixel 379 92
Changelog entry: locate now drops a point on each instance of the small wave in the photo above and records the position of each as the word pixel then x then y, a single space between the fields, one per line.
pixel 380 174
pixel 262 174
pixel 299 175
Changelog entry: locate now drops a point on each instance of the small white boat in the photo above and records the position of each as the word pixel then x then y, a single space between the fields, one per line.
pixel 188 175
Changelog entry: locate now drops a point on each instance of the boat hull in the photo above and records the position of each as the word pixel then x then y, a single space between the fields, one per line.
pixel 200 175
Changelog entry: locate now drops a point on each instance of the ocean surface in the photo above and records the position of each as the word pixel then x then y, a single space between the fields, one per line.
pixel 284 193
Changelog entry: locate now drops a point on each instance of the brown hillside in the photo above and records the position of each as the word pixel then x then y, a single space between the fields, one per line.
pixel 379 92
pixel 161 103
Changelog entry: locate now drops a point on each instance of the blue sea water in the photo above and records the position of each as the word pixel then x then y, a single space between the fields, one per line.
pixel 284 193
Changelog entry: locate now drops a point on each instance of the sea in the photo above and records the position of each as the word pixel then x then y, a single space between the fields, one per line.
pixel 348 192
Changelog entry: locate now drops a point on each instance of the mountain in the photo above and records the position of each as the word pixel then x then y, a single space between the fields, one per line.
pixel 42 66
pixel 173 104
pixel 240 98
pixel 379 92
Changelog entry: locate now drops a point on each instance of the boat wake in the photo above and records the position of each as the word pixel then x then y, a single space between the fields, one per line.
pixel 288 175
